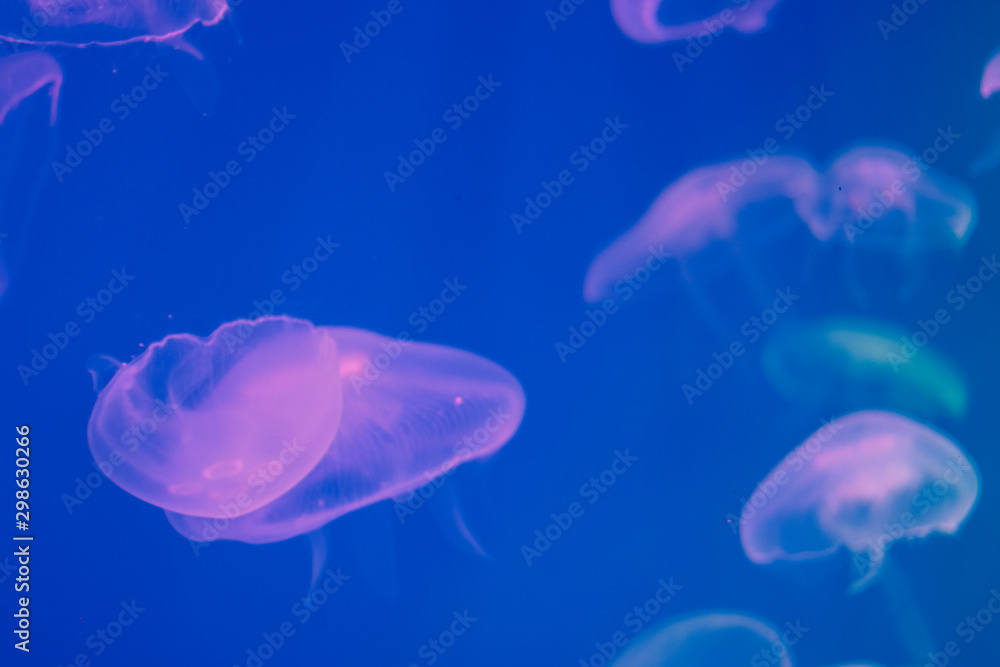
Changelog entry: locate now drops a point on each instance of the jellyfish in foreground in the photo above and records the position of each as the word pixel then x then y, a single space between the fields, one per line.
pixel 194 423
pixel 882 198
pixel 849 363
pixel 862 482
pixel 639 21
pixel 990 83
pixel 719 639
pixel 701 207
pixel 410 414
pixel 24 74
pixel 76 23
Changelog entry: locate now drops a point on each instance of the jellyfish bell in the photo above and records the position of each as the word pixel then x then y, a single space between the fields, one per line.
pixel 224 423
pixel 990 82
pixel 716 639
pixel 848 363
pixel 639 20
pixel 81 23
pixel 412 412
pixel 862 482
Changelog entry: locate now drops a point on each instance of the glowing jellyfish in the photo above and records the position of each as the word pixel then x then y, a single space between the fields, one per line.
pixel 111 22
pixel 701 207
pixel 193 424
pixel 713 639
pixel 639 20
pixel 884 199
pixel 24 74
pixel 846 364
pixel 862 482
pixel 412 412
pixel 991 77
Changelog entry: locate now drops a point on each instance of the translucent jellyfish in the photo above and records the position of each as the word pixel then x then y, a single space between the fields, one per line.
pixel 194 423
pixel 639 20
pixel 884 199
pixel 845 364
pixel 862 482
pixel 718 639
pixel 412 412
pixel 108 22
pixel 991 77
pixel 24 74
pixel 701 207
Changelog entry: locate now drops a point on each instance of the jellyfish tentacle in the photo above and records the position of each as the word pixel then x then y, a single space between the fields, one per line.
pixel 872 562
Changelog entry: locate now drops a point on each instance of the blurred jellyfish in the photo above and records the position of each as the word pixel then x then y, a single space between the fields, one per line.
pixel 883 199
pixel 862 482
pixel 991 77
pixel 717 639
pixel 114 22
pixel 24 74
pixel 639 20
pixel 409 415
pixel 193 424
pixel 845 364
pixel 704 206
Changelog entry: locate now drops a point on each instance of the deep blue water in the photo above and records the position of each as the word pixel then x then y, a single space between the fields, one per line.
pixel 323 176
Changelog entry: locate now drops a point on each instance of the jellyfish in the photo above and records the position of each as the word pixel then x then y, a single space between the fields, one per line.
pixel 861 482
pixel 991 77
pixel 852 363
pixel 639 20
pixel 410 414
pixel 24 74
pixel 87 22
pixel 232 420
pixel 718 639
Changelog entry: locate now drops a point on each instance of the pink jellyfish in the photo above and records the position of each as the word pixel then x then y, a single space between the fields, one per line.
pixel 719 639
pixel 991 77
pixel 409 414
pixel 24 74
pixel 638 20
pixel 193 423
pixel 883 198
pixel 112 22
pixel 704 206
pixel 862 482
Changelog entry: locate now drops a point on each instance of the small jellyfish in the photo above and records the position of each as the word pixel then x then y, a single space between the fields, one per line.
pixel 639 20
pixel 24 74
pixel 846 364
pixel 193 424
pixel 884 199
pixel 862 482
pixel 410 414
pixel 702 207
pixel 990 83
pixel 717 639
pixel 109 22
